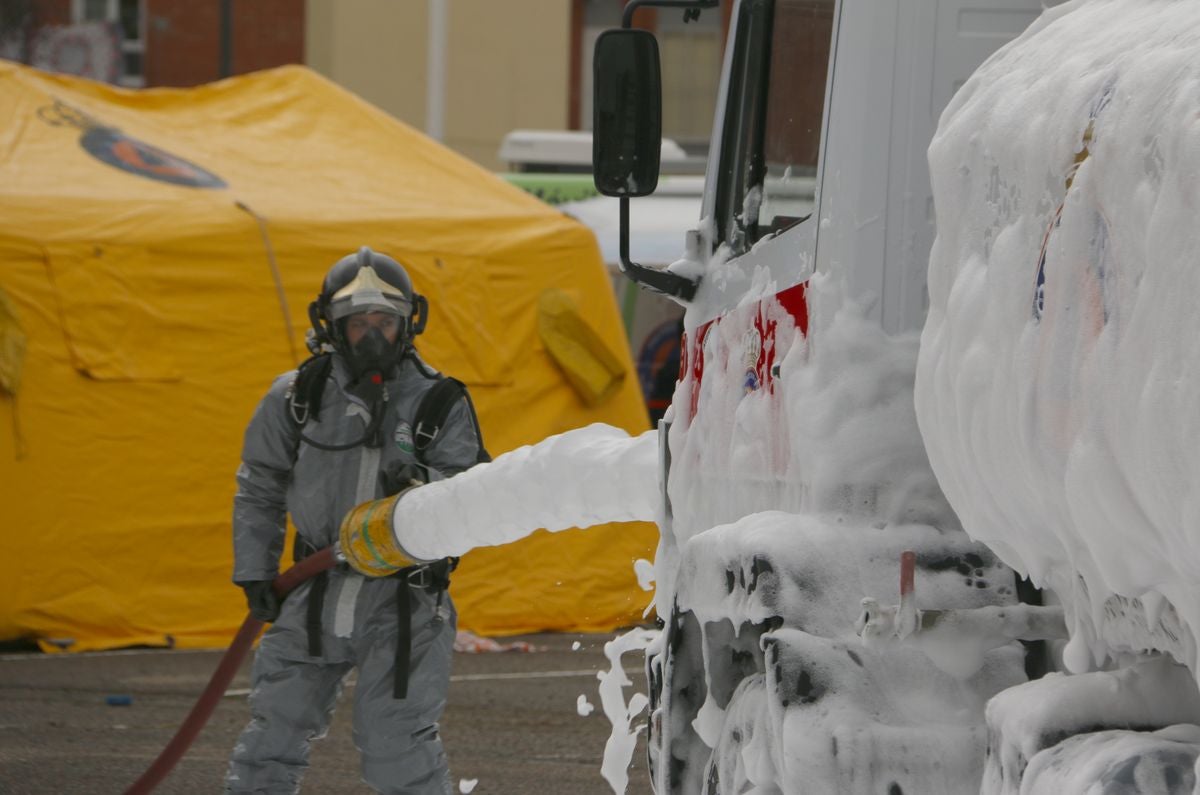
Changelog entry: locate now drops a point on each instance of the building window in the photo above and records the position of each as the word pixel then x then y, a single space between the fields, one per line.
pixel 130 18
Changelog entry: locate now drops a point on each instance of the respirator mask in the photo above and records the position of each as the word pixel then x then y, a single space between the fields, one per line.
pixel 373 355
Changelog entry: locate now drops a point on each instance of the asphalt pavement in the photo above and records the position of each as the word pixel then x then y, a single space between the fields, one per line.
pixel 513 723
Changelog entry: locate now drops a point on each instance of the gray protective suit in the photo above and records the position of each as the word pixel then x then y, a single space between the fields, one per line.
pixel 293 693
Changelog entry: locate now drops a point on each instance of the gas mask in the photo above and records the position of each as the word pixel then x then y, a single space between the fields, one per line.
pixel 372 360
pixel 372 356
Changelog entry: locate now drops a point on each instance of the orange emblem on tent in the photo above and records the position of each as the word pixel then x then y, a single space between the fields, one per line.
pixel 110 145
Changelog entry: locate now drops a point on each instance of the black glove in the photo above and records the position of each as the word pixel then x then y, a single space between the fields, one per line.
pixel 398 476
pixel 264 604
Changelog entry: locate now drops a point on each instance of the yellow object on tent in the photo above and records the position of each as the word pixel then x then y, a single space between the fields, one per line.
pixel 589 366
pixel 161 248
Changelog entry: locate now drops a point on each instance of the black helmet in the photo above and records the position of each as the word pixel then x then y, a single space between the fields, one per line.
pixel 366 281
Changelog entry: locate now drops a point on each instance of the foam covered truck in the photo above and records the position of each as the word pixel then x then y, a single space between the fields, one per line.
pixel 930 470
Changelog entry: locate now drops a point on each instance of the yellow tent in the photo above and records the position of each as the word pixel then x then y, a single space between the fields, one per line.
pixel 158 252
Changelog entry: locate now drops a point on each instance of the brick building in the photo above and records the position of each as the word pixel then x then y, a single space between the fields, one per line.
pixel 465 71
pixel 158 42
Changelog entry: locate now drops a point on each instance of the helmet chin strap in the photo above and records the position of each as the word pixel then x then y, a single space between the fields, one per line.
pixel 321 335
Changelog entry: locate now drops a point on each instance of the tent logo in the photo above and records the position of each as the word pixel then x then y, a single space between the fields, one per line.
pixel 110 145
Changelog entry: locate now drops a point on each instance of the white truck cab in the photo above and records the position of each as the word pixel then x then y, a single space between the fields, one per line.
pixel 825 169
pixel 797 479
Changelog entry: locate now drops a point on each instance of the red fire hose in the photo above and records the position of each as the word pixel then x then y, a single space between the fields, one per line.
pixel 194 722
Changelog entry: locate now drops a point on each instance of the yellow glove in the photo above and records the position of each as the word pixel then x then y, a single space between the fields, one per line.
pixel 367 540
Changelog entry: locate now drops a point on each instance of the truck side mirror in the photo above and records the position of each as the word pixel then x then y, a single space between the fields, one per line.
pixel 627 113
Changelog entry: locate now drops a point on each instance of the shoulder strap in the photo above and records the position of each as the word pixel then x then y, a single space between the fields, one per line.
pixel 304 395
pixel 433 410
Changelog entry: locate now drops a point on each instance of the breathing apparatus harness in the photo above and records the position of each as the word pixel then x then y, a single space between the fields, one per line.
pixel 369 374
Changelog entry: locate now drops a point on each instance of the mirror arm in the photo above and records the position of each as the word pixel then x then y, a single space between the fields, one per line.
pixel 634 5
pixel 660 281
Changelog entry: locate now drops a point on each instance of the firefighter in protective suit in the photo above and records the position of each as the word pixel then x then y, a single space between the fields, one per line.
pixel 340 431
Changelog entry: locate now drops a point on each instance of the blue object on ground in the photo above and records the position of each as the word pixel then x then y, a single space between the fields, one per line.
pixel 118 701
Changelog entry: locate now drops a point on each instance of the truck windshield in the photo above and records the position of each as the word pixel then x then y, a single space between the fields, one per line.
pixel 772 133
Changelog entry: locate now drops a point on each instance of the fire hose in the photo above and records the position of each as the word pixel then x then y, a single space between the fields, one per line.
pixel 175 749
pixel 603 476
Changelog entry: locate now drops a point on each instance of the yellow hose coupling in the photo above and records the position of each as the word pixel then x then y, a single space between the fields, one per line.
pixel 367 540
